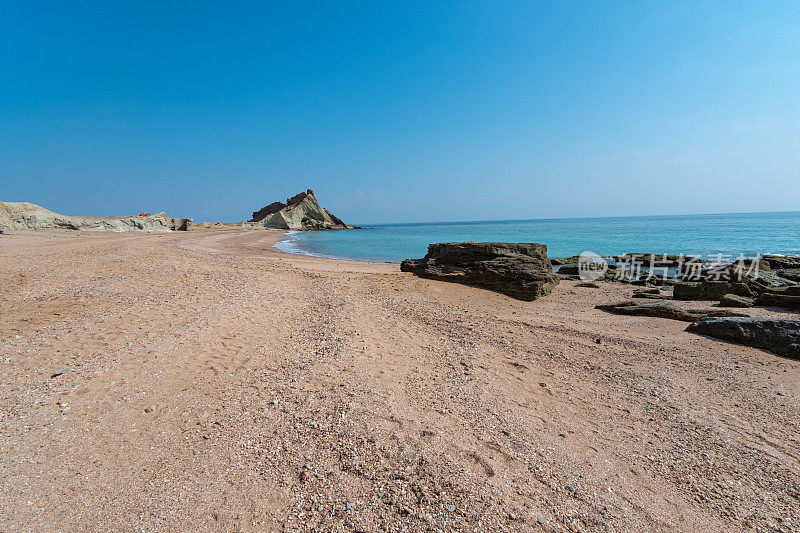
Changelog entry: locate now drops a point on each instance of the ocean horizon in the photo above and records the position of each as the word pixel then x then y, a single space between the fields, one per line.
pixel 722 236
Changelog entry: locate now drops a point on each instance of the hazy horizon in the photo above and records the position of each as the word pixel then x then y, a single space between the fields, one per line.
pixel 402 113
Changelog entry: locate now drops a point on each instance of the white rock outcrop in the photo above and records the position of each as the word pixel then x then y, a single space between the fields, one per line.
pixel 24 215
pixel 300 212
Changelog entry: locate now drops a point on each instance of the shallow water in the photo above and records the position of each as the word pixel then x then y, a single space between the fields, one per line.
pixel 708 236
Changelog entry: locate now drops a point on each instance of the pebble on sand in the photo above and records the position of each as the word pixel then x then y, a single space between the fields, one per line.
pixel 59 372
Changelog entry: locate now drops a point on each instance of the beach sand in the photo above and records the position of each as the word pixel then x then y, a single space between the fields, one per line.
pixel 211 382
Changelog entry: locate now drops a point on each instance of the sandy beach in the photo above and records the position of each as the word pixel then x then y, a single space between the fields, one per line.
pixel 204 380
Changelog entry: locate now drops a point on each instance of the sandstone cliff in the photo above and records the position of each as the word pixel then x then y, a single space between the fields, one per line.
pixel 23 215
pixel 300 212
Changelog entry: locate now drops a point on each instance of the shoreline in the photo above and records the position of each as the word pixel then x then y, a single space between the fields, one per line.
pixel 717 236
pixel 612 257
pixel 321 256
pixel 172 381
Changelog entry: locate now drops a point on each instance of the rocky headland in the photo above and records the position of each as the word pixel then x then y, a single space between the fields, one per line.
pixel 300 212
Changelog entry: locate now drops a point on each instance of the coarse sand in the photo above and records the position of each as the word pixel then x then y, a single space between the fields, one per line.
pixel 204 380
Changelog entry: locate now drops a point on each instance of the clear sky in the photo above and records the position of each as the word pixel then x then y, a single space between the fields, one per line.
pixel 401 111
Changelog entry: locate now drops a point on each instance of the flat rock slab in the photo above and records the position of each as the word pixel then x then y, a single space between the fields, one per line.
pixel 519 270
pixel 709 290
pixel 781 261
pixel 774 299
pixel 565 260
pixel 647 290
pixel 732 300
pixel 649 296
pixel 792 274
pixel 663 309
pixel 780 336
pixel 652 293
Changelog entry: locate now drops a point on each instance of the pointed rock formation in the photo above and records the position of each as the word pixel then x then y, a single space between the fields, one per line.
pixel 300 212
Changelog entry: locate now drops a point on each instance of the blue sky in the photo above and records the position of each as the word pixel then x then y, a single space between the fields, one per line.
pixel 404 111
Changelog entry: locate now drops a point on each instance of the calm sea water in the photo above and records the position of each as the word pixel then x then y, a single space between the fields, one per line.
pixel 703 235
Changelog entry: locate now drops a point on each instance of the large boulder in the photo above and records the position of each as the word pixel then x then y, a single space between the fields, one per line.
pixel 709 290
pixel 300 212
pixel 664 309
pixel 519 270
pixel 780 336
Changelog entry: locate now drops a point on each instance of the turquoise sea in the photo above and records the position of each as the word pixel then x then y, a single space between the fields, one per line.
pixel 703 235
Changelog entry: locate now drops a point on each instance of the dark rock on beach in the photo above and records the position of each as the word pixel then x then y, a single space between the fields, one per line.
pixel 792 274
pixel 757 275
pixel 574 270
pixel 569 270
pixel 709 290
pixel 519 270
pixel 765 279
pixel 654 280
pixel 588 285
pixel 793 290
pixel 788 297
pixel 732 300
pixel 565 260
pixel 779 336
pixel 653 293
pixel 781 261
pixel 662 309
pixel 656 260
